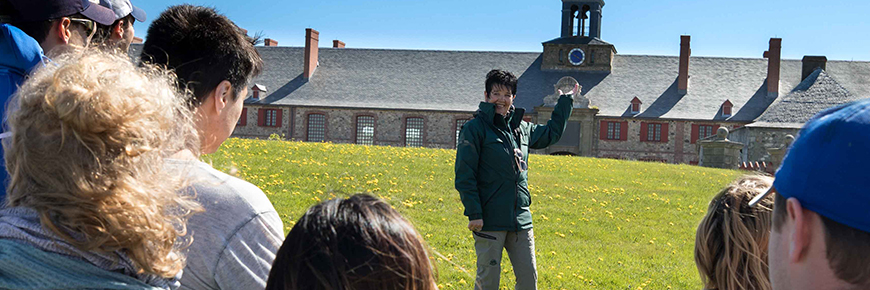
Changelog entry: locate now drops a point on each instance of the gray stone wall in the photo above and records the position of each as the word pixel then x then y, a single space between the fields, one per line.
pixel 251 129
pixel 678 149
pixel 756 141
pixel 598 57
pixel 439 127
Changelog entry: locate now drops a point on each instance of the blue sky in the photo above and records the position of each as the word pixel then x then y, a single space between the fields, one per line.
pixel 735 28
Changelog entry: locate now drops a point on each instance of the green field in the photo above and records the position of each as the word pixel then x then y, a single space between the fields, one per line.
pixel 599 223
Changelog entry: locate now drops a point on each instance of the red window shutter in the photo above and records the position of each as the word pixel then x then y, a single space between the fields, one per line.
pixel 726 110
pixel 695 133
pixel 280 118
pixel 602 131
pixel 243 119
pixel 261 116
pixel 623 131
pixel 643 131
pixel 665 132
pixel 715 129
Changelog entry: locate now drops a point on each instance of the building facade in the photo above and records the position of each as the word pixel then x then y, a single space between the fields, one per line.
pixel 638 107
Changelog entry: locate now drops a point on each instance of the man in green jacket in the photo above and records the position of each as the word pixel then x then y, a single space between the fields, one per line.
pixel 491 177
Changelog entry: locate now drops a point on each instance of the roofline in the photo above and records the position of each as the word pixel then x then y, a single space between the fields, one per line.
pixel 673 119
pixel 363 108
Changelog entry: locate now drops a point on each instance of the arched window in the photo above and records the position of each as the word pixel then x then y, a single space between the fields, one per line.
pixel 414 132
pixel 365 130
pixel 316 128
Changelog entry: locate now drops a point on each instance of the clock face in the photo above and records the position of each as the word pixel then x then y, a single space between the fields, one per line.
pixel 576 56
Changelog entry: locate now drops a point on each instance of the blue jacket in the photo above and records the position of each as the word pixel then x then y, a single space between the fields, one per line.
pixel 20 54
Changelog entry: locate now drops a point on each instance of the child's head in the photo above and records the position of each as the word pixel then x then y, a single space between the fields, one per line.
pixel 731 242
pixel 89 138
pixel 356 243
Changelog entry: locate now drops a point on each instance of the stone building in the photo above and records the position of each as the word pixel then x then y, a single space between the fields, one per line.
pixel 642 107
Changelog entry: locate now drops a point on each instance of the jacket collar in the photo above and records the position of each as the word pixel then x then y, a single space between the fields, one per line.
pixel 486 111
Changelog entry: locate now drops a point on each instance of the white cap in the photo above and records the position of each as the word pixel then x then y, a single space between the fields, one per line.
pixel 122 8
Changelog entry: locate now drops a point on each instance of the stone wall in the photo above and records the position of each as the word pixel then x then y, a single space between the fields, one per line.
pixel 679 147
pixel 757 140
pixel 439 129
pixel 598 57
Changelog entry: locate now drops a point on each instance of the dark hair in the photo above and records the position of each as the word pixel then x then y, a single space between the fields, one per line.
pixel 499 77
pixel 847 248
pixel 356 243
pixel 203 47
pixel 39 29
pixel 104 32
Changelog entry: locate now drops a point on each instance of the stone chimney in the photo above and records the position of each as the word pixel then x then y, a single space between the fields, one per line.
pixel 810 63
pixel 337 44
pixel 311 40
pixel 685 53
pixel 270 42
pixel 774 57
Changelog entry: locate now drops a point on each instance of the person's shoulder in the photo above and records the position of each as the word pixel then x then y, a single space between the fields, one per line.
pixel 216 190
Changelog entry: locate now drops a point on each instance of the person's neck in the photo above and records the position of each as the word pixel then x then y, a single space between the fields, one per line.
pixel 184 155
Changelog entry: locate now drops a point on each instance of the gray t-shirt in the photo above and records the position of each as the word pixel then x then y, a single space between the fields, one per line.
pixel 235 239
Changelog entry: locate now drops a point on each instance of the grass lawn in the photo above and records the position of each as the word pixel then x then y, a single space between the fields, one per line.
pixel 599 223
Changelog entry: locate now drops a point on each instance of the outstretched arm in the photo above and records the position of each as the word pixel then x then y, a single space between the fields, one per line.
pixel 542 136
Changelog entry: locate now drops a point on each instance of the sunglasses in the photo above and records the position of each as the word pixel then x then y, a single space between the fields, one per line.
pixel 90 25
pixel 518 157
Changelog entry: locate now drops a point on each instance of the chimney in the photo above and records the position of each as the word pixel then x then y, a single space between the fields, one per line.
pixel 311 39
pixel 685 52
pixel 774 56
pixel 137 40
pixel 810 63
pixel 337 44
pixel 270 42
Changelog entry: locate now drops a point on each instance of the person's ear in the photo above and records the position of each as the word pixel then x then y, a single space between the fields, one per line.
pixel 118 30
pixel 223 95
pixel 64 33
pixel 485 95
pixel 802 231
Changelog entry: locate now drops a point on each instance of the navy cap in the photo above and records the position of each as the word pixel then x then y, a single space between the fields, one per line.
pixel 122 8
pixel 827 165
pixel 42 10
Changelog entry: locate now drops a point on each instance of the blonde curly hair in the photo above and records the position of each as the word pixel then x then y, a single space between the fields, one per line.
pixel 89 139
pixel 731 242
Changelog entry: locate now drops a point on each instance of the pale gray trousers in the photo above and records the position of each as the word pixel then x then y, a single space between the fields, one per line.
pixel 520 247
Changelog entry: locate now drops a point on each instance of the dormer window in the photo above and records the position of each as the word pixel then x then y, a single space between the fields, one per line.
pixel 726 108
pixel 635 105
pixel 256 89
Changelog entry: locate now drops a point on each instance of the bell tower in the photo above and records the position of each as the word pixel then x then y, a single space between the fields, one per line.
pixel 580 47
pixel 581 18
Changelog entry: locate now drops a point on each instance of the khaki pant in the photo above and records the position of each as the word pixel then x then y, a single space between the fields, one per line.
pixel 520 247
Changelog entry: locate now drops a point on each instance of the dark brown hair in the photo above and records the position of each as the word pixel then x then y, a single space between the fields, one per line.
pixel 203 47
pixel 356 243
pixel 847 248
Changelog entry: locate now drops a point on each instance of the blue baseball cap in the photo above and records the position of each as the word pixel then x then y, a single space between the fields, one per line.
pixel 827 166
pixel 122 8
pixel 42 10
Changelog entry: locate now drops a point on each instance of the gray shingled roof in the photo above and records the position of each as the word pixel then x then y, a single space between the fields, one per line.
pixel 817 92
pixel 454 81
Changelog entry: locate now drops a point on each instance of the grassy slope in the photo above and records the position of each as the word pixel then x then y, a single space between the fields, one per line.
pixel 599 223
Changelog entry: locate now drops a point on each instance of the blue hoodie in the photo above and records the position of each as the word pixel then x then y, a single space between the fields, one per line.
pixel 20 54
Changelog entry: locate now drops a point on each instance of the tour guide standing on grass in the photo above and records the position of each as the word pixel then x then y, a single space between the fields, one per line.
pixel 491 177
